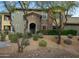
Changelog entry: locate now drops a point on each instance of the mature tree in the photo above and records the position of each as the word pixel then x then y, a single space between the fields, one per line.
pixel 11 7
pixel 60 9
pixel 64 8
pixel 24 5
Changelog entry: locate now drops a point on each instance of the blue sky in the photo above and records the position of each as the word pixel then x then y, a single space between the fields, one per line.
pixel 3 9
pixel 76 13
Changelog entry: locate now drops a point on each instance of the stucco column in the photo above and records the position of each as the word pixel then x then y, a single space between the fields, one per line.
pixel 11 29
pixel 28 27
pixel 2 22
pixel 36 29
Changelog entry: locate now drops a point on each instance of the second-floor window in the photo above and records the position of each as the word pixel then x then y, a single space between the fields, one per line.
pixel 6 17
pixel 44 16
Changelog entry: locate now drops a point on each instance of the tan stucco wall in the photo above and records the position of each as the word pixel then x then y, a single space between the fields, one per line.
pixel 4 22
pixel 74 20
pixel 18 21
pixel 69 27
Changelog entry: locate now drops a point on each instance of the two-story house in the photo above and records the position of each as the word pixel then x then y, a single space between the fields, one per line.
pixel 5 21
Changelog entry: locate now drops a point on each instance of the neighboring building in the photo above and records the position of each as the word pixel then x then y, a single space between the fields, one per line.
pixel 72 23
pixel 5 21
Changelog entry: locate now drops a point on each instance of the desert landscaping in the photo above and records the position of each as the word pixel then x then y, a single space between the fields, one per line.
pixel 51 50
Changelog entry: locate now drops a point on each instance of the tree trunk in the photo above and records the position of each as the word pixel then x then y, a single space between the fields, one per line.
pixel 60 29
pixel 59 37
pixel 20 47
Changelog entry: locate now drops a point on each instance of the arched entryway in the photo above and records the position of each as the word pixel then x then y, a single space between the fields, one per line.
pixel 32 27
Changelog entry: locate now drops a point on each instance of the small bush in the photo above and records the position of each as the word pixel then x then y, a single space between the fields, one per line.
pixel 20 35
pixel 27 35
pixel 40 35
pixel 43 43
pixel 3 37
pixel 72 32
pixel 68 42
pixel 35 37
pixel 13 38
pixel 43 32
pixel 70 36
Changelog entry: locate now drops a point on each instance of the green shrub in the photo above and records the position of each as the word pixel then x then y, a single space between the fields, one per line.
pixel 20 35
pixel 55 32
pixel 52 32
pixel 40 35
pixel 43 32
pixel 43 43
pixel 48 32
pixel 68 41
pixel 72 32
pixel 3 37
pixel 13 38
pixel 27 35
pixel 35 37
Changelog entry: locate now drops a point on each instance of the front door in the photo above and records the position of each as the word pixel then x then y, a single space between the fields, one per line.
pixel 32 27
